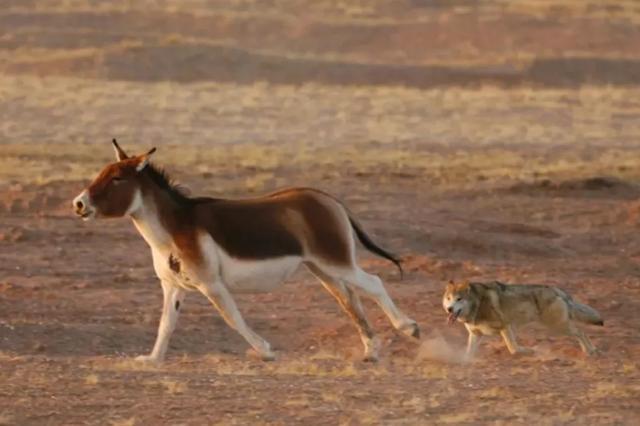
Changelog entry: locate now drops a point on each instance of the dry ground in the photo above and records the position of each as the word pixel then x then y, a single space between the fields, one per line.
pixel 516 180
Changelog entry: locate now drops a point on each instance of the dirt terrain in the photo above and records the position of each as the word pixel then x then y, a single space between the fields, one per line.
pixel 478 140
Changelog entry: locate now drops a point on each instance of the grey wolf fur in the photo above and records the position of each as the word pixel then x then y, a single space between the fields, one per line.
pixel 497 308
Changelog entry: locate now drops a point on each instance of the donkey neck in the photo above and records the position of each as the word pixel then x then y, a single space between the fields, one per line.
pixel 157 217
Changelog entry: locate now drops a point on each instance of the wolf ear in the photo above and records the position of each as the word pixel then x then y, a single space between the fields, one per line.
pixel 120 154
pixel 144 160
pixel 450 284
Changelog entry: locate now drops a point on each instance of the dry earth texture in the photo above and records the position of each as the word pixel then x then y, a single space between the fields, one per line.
pixel 479 140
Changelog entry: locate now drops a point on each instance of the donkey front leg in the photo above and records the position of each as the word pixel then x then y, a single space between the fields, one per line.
pixel 220 297
pixel 172 303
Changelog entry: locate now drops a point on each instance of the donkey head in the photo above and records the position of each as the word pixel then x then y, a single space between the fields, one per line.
pixel 116 190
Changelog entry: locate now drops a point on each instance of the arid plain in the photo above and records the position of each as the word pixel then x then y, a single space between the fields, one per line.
pixel 478 140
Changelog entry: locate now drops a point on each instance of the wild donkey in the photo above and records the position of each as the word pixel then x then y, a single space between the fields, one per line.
pixel 219 246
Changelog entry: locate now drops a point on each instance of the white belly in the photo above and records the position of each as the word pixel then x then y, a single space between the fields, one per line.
pixel 252 276
pixel 238 275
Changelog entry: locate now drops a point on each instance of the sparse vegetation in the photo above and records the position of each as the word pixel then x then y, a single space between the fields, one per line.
pixel 534 180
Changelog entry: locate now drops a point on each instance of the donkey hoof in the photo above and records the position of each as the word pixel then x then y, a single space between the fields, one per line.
pixel 263 355
pixel 147 359
pixel 269 356
pixel 594 352
pixel 416 332
pixel 523 351
pixel 371 358
pixel 411 330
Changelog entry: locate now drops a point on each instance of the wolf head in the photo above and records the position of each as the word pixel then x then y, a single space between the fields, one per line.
pixel 457 301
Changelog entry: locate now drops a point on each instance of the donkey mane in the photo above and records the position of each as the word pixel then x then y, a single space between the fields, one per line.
pixel 177 192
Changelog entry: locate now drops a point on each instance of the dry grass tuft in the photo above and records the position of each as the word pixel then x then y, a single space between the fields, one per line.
pixel 92 380
pixel 494 392
pixel 299 401
pixel 629 368
pixel 306 367
pixel 173 387
pixel 416 404
pixel 456 418
pixel 604 390
pixel 133 365
pixel 124 422
pixel 323 355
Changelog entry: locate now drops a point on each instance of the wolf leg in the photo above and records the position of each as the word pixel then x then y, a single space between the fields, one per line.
pixel 561 322
pixel 512 345
pixel 473 341
pixel 583 340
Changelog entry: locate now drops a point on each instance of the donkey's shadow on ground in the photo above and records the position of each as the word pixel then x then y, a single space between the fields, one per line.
pixel 197 336
pixel 206 337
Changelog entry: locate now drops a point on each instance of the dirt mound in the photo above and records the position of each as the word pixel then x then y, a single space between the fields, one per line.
pixel 515 229
pixel 413 44
pixel 193 62
pixel 600 186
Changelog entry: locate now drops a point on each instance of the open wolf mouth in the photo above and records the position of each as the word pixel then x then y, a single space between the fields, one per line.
pixel 453 316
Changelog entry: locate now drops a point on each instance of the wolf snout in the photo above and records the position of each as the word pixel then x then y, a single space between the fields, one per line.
pixel 450 309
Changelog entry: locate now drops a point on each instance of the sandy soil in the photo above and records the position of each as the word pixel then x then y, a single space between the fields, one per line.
pixel 525 182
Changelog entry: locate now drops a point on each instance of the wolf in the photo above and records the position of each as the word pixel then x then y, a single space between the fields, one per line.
pixel 497 308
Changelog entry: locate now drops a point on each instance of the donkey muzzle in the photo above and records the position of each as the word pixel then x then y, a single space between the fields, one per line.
pixel 81 206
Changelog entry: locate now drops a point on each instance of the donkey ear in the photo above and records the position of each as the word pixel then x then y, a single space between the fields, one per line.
pixel 144 160
pixel 120 154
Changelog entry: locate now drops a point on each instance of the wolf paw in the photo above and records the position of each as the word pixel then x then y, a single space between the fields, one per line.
pixel 371 349
pixel 594 352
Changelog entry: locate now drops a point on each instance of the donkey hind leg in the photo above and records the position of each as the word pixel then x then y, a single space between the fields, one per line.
pixel 372 286
pixel 173 298
pixel 220 297
pixel 350 304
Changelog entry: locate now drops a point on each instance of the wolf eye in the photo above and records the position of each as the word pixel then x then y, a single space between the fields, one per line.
pixel 117 179
pixel 458 299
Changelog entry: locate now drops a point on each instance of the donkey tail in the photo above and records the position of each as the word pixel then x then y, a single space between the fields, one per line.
pixel 368 243
pixel 586 314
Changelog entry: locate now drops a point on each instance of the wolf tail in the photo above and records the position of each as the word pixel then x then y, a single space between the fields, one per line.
pixel 586 314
